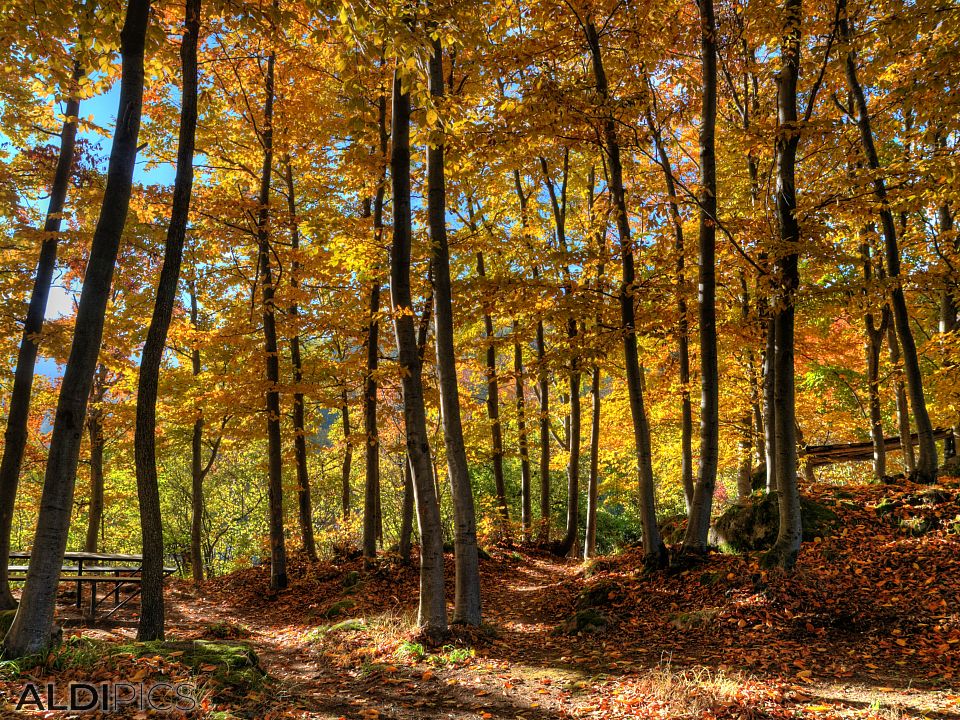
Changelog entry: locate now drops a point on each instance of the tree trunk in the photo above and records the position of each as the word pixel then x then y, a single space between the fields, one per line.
pixel 543 383
pixel 872 346
pixel 371 488
pixel 347 453
pixel 900 398
pixel 304 501
pixel 526 508
pixel 654 550
pixel 278 551
pixel 95 435
pixel 151 626
pixel 787 546
pixel 769 398
pixel 948 297
pixel 698 525
pixel 493 410
pixel 406 513
pixel 590 535
pixel 31 629
pixel 466 608
pixel 926 469
pixel 432 616
pixel 15 436
pixel 196 462
pixel 683 332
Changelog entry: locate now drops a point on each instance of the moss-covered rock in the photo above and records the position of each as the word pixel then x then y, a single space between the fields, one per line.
pixel 582 621
pixel 754 526
pixel 673 528
pixel 339 608
pixel 600 594
pixel 235 667
pixel 694 619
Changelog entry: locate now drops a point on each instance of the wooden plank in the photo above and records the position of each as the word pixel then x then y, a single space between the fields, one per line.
pixel 851 452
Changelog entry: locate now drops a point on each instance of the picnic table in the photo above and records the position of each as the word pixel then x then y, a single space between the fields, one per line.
pixel 118 570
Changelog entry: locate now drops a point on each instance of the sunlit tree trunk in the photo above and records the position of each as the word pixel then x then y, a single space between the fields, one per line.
pixel 18 410
pixel 32 626
pixel 278 551
pixel 683 332
pixel 526 508
pixel 926 468
pixel 96 440
pixel 698 525
pixel 872 346
pixel 432 614
pixel 787 546
pixel 654 550
pixel 466 607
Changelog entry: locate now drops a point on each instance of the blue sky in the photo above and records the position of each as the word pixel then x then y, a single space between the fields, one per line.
pixel 104 110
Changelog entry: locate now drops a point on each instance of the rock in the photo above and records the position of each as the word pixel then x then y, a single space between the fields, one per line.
pixel 754 526
pixel 600 594
pixel 236 666
pixel 582 621
pixel 758 478
pixel 339 608
pixel 950 467
pixel 351 579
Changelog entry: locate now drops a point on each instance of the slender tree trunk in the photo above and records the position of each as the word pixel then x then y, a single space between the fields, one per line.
pixel 590 535
pixel 900 399
pixel 432 615
pixel 926 468
pixel 95 516
pixel 654 549
pixel 406 513
pixel 466 608
pixel 304 501
pixel 493 409
pixel 698 526
pixel 787 546
pixel 769 398
pixel 371 490
pixel 196 460
pixel 683 331
pixel 948 297
pixel 278 551
pixel 872 346
pixel 31 629
pixel 151 625
pixel 15 436
pixel 543 384
pixel 526 508
pixel 347 453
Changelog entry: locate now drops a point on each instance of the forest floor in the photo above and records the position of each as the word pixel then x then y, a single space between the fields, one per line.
pixel 867 627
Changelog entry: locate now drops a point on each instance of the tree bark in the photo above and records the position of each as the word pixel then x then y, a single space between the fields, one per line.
pixel 926 468
pixel 304 500
pixel 769 397
pixel 278 551
pixel 31 629
pixel 15 436
pixel 371 489
pixel 466 608
pixel 698 524
pixel 406 513
pixel 543 386
pixel 493 410
pixel 683 331
pixel 432 615
pixel 948 297
pixel 654 550
pixel 872 346
pixel 95 437
pixel 151 626
pixel 590 534
pixel 787 546
pixel 526 508
pixel 347 464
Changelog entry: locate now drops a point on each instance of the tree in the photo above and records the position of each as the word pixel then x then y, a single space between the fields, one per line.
pixel 15 436
pixel 467 593
pixel 151 625
pixel 698 525
pixel 31 629
pixel 432 615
